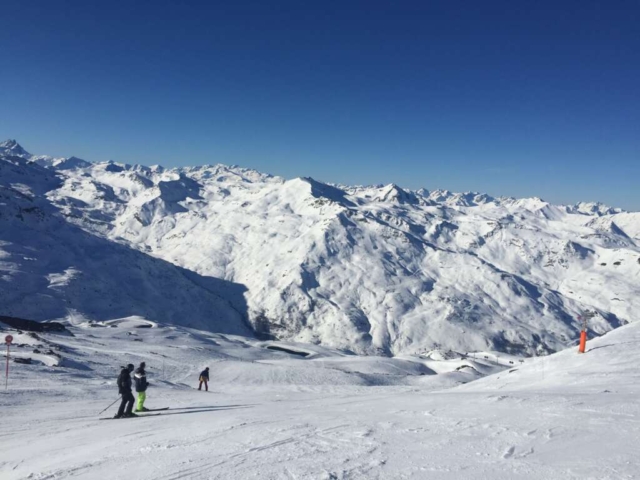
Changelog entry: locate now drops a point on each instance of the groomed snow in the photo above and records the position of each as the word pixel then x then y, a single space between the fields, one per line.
pixel 273 415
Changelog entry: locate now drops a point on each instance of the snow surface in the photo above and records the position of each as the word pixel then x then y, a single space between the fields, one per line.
pixel 375 270
pixel 275 285
pixel 331 415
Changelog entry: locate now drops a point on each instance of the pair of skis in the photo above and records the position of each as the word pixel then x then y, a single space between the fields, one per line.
pixel 140 416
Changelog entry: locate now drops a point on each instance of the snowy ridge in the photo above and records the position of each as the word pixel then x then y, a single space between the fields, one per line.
pixel 375 270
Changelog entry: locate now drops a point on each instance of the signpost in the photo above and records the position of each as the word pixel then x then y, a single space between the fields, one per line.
pixel 8 339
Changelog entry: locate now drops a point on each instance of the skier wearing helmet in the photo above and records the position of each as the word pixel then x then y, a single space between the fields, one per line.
pixel 124 387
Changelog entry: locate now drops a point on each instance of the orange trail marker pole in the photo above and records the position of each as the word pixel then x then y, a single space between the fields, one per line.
pixel 583 333
pixel 583 341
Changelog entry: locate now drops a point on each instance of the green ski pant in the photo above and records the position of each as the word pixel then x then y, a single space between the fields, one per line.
pixel 141 398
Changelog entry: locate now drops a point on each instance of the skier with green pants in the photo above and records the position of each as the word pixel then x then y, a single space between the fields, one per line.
pixel 141 387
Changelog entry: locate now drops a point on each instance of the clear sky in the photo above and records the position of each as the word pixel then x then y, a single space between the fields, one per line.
pixel 510 98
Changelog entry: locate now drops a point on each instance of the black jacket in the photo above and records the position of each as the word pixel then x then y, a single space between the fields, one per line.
pixel 205 374
pixel 124 381
pixel 141 380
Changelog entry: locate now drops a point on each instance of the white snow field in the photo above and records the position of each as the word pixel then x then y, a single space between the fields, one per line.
pixel 329 415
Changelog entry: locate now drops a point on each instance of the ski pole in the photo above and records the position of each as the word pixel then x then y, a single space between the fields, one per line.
pixel 109 406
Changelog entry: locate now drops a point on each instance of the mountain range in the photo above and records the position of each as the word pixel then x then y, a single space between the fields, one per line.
pixel 370 269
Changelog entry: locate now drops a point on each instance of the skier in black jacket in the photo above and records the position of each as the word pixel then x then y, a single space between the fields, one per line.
pixel 141 387
pixel 204 378
pixel 124 387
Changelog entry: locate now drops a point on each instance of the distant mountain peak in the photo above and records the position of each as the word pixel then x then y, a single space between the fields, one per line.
pixel 12 147
pixel 394 193
pixel 595 208
pixel 9 143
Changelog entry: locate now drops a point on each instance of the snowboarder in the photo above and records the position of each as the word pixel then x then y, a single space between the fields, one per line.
pixel 140 377
pixel 204 378
pixel 124 387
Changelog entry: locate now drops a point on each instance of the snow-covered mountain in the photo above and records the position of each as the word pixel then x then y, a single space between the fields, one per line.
pixel 370 269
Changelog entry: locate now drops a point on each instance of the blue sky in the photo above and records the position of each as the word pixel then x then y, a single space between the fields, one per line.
pixel 510 98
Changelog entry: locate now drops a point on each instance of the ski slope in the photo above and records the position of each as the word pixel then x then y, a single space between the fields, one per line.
pixel 329 415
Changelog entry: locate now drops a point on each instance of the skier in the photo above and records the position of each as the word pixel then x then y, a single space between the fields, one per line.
pixel 141 387
pixel 124 387
pixel 204 378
